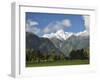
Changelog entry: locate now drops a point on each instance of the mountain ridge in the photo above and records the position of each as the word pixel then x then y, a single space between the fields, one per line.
pixel 61 35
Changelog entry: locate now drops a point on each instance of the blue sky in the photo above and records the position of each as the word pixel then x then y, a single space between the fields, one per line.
pixel 45 23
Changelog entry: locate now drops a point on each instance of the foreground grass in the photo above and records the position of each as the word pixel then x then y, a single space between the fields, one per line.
pixel 58 63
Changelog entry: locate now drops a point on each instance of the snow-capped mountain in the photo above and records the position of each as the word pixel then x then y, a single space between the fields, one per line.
pixel 68 41
pixel 61 35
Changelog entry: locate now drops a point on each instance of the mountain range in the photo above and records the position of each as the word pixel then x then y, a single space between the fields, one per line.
pixel 44 45
pixel 61 42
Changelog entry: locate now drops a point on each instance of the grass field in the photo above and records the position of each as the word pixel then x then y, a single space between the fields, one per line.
pixel 58 63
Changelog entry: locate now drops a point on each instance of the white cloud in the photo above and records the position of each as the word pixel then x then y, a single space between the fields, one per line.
pixel 55 26
pixel 66 23
pixel 34 30
pixel 31 26
pixel 86 22
pixel 32 23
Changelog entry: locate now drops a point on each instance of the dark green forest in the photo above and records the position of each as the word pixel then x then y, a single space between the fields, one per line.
pixel 35 56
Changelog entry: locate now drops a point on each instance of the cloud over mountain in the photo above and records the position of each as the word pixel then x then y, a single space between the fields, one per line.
pixel 57 25
pixel 31 26
pixel 54 26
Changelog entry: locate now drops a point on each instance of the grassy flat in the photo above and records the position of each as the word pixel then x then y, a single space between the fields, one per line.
pixel 58 63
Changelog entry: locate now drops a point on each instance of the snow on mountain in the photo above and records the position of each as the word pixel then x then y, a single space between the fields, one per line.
pixel 49 35
pixel 61 35
pixel 84 33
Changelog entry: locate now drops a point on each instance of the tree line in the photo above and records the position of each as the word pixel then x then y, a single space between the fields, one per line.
pixel 36 55
pixel 79 54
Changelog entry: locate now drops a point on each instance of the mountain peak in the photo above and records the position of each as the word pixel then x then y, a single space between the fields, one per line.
pixel 60 34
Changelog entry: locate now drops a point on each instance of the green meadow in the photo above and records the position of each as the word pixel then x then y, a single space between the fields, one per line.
pixel 57 63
